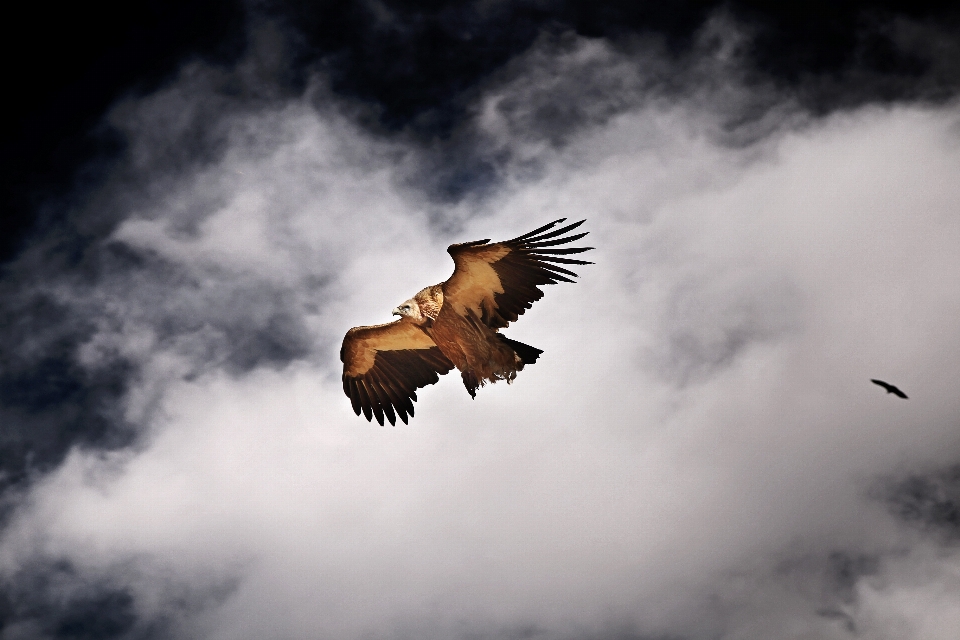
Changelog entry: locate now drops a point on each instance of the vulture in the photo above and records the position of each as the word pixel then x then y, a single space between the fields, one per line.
pixel 890 388
pixel 457 323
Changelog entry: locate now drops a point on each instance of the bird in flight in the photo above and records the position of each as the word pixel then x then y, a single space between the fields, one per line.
pixel 457 323
pixel 890 388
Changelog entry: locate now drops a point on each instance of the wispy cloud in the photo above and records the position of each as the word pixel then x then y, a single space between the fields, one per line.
pixel 697 454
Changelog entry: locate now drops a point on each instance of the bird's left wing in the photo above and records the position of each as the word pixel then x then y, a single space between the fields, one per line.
pixel 384 365
pixel 498 282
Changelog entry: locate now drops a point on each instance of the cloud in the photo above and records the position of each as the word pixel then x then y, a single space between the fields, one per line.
pixel 696 454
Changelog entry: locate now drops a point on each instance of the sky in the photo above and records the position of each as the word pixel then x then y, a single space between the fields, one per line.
pixel 200 201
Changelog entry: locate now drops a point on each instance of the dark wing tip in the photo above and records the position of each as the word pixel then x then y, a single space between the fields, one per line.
pixel 890 388
pixel 538 230
pixel 350 388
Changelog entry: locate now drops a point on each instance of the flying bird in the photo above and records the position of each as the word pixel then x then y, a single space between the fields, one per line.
pixel 456 324
pixel 890 388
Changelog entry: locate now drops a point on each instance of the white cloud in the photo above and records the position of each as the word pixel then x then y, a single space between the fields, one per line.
pixel 703 408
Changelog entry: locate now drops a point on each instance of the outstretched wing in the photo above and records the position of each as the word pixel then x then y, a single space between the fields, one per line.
pixel 890 388
pixel 384 365
pixel 499 282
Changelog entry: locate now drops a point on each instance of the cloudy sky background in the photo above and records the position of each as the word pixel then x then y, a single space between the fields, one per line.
pixel 698 454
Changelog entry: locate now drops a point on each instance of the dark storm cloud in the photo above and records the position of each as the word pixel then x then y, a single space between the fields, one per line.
pixel 49 402
pixel 51 399
pixel 831 578
pixel 201 273
pixel 416 58
pixel 842 55
pixel 64 69
pixel 928 501
pixel 54 599
pixel 413 63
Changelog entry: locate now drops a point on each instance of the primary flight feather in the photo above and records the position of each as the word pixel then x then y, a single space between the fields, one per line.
pixel 457 323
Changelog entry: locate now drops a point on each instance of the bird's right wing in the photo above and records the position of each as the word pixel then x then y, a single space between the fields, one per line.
pixel 384 365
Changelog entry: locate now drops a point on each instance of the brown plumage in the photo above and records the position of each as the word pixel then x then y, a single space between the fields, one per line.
pixel 457 323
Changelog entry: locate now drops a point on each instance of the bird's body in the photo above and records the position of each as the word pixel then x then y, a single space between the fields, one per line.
pixel 890 388
pixel 456 324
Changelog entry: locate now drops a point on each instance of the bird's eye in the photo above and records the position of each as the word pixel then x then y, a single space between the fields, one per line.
pixel 406 307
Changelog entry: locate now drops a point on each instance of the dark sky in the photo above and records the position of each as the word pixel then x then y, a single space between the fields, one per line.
pixel 414 63
pixel 199 198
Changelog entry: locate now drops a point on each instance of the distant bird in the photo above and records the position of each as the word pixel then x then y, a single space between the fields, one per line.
pixel 890 388
pixel 456 323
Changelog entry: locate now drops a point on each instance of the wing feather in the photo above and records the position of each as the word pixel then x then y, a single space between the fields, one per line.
pixel 564 261
pixel 365 402
pixel 552 243
pixel 385 400
pixel 392 378
pixel 499 282
pixel 400 402
pixel 394 402
pixel 374 399
pixel 350 388
pixel 384 365
pixel 559 252
pixel 539 231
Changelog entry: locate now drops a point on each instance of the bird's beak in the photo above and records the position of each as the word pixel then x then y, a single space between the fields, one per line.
pixel 396 312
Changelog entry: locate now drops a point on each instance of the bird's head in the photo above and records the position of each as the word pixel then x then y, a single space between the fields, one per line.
pixel 409 309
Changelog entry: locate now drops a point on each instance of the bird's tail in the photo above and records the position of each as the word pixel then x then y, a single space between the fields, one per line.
pixel 471 382
pixel 527 353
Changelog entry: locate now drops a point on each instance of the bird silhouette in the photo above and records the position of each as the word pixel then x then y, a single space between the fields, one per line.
pixel 890 388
